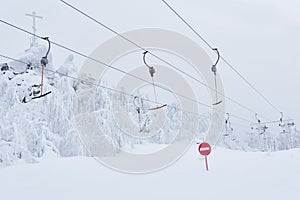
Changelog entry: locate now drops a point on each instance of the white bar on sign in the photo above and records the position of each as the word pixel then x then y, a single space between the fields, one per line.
pixel 204 149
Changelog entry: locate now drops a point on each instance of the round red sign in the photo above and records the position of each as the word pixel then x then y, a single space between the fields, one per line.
pixel 204 149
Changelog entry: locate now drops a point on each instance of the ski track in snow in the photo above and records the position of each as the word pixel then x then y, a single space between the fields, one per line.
pixel 233 175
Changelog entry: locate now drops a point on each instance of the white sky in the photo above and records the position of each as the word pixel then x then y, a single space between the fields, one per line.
pixel 259 37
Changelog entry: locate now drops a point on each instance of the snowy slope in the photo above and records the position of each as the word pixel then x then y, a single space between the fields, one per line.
pixel 233 175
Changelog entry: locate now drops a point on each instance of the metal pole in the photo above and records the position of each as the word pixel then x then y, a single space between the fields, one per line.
pixel 206 163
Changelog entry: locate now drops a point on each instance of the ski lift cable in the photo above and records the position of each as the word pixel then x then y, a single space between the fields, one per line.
pixel 100 62
pixel 241 125
pixel 222 58
pixel 115 90
pixel 154 55
pixel 73 51
pixel 273 122
pixel 281 122
pixel 120 92
pixel 92 83
pixel 95 60
pixel 173 66
pixel 204 84
pixel 110 66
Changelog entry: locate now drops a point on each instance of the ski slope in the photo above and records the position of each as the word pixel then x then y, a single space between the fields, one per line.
pixel 233 175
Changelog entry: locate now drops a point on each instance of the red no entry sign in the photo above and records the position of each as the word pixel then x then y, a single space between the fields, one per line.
pixel 204 149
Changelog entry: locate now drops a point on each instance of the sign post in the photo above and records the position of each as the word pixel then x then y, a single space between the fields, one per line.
pixel 205 149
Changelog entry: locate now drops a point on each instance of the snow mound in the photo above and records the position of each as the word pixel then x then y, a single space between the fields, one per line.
pixel 232 175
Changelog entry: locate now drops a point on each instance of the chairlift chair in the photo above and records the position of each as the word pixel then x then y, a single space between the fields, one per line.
pixel 44 62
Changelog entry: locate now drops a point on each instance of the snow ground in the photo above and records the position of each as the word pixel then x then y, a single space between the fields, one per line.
pixel 233 175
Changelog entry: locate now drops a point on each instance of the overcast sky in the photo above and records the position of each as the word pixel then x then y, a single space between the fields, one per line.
pixel 259 37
